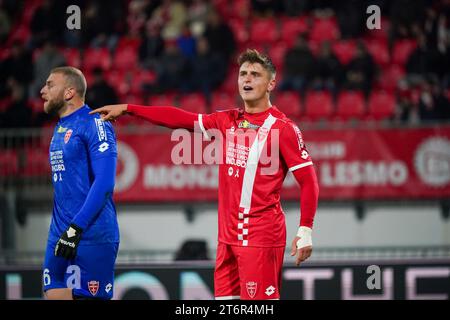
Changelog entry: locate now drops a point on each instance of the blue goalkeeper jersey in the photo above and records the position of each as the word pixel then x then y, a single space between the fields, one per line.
pixel 83 145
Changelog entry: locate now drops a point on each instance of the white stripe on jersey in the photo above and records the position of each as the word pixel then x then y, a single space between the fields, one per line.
pixel 250 172
pixel 309 163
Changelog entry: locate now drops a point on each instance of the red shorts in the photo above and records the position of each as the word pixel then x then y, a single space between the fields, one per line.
pixel 248 272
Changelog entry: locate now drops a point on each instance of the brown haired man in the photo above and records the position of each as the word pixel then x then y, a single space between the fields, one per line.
pixel 252 230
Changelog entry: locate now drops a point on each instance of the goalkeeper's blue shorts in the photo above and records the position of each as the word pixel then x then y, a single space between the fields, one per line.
pixel 90 274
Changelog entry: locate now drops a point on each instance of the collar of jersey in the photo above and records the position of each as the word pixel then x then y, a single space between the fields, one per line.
pixel 65 118
pixel 258 115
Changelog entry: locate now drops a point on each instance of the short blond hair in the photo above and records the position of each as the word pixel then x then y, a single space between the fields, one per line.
pixel 74 78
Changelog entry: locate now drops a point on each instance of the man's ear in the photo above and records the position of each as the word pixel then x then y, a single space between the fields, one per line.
pixel 68 95
pixel 271 85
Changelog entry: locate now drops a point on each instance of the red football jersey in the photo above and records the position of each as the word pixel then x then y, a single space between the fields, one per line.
pixel 258 151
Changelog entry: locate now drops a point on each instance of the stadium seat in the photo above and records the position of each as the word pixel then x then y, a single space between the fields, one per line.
pixel 277 53
pixel 126 58
pixel 381 105
pixel 389 77
pixel 344 50
pixel 230 84
pixel 291 27
pixel 97 57
pixel 263 31
pixel 222 101
pixel 324 29
pixel 289 103
pixel 402 50
pixel 8 162
pixel 193 102
pixel 318 105
pixel 73 57
pixel 350 105
pixel 167 99
pixel 36 162
pixel 379 51
pixel 239 29
pixel 118 79
pixel 140 78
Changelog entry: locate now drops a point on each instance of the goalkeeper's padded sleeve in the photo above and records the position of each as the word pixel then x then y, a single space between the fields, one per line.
pixel 309 194
pixel 104 171
pixel 166 116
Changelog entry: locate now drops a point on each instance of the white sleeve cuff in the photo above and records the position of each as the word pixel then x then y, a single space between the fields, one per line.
pixel 309 163
pixel 304 233
pixel 202 127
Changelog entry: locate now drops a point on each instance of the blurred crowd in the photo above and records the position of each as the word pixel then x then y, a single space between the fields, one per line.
pixel 134 50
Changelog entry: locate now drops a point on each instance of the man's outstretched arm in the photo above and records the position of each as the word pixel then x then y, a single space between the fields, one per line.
pixel 166 116
pixel 309 194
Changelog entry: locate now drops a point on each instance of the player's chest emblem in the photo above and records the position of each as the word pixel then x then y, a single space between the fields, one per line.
pixel 93 287
pixel 251 288
pixel 67 135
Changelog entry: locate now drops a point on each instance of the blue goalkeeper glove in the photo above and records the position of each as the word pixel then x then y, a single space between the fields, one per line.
pixel 67 244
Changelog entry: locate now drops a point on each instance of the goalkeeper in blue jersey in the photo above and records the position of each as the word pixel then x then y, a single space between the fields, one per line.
pixel 83 239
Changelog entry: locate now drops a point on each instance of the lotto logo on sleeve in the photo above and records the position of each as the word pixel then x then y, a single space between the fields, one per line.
pixel 103 147
pixel 93 287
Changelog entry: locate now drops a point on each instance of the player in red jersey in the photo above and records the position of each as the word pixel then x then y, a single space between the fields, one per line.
pixel 260 146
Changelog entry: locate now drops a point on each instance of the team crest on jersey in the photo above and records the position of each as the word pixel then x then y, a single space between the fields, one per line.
pixel 251 288
pixel 262 133
pixel 247 125
pixel 93 287
pixel 67 135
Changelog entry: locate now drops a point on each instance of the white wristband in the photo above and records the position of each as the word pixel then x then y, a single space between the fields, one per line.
pixel 304 233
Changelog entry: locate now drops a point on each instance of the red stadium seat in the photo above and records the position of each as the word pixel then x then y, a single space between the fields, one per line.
pixel 193 102
pixel 222 101
pixel 162 100
pixel 230 85
pixel 289 103
pixel 277 53
pixel 318 105
pixel 379 51
pixel 8 162
pixel 263 31
pixel 119 80
pixel 126 58
pixel 141 78
pixel 344 50
pixel 324 29
pixel 37 163
pixel 390 76
pixel 239 29
pixel 73 56
pixel 127 42
pixel 350 105
pixel 97 57
pixel 402 50
pixel 381 105
pixel 291 27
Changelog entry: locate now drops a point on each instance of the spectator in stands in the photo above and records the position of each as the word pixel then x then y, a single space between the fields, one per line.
pixel 137 17
pixel 48 22
pixel 152 45
pixel 48 59
pixel 297 66
pixel 197 16
pixel 424 60
pixel 18 114
pixel 220 36
pixel 171 68
pixel 433 105
pixel 327 69
pixel 17 66
pixel 404 14
pixel 351 22
pixel 172 16
pixel 186 42
pixel 294 8
pixel 360 71
pixel 5 24
pixel 202 78
pixel 100 92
